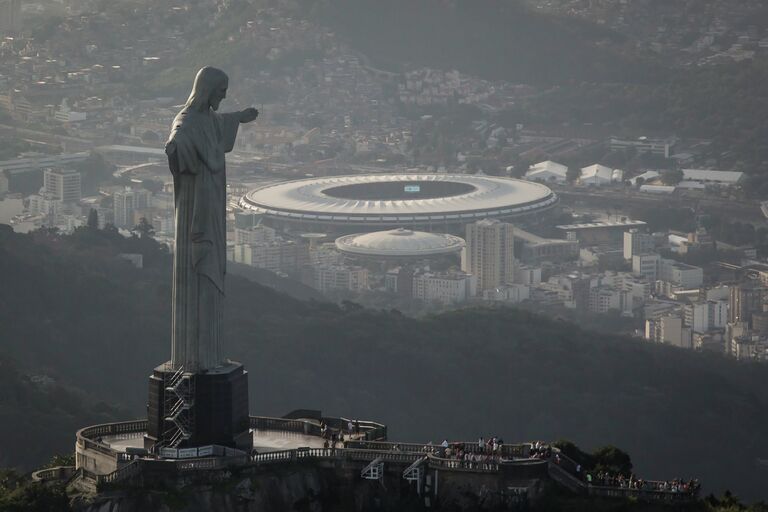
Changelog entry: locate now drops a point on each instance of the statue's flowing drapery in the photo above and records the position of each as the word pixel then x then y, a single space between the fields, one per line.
pixel 195 150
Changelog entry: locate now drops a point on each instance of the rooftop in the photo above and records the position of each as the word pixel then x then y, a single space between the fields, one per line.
pixel 597 225
pixel 399 243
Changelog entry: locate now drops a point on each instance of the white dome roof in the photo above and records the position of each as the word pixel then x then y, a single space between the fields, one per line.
pixel 399 243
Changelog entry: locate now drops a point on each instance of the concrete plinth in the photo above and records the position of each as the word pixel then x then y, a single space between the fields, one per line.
pixel 218 414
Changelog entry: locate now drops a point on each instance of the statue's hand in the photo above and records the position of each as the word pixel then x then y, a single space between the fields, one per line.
pixel 248 115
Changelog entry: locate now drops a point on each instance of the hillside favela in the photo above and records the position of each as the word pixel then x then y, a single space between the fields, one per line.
pixel 383 255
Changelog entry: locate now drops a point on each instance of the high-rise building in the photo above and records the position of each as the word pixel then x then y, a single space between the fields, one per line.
pixel 10 16
pixel 746 299
pixel 62 184
pixel 636 243
pixel 126 202
pixel 705 316
pixel 489 253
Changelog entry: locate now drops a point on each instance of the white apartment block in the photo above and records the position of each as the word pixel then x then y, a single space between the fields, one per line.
pixel 706 316
pixel 489 253
pixel 669 329
pixel 254 235
pixel 646 266
pixel 62 184
pixel 340 277
pixel 637 243
pixel 444 288
pixel 681 274
pixel 128 201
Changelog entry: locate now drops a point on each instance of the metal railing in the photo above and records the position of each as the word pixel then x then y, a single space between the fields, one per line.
pixel 487 466
pixel 642 493
pixel 88 437
pixel 51 474
pixel 506 450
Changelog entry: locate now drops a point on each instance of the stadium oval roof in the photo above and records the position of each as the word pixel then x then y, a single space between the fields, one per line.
pixel 399 199
pixel 399 243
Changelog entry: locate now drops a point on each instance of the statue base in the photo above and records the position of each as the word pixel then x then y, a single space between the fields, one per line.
pixel 187 410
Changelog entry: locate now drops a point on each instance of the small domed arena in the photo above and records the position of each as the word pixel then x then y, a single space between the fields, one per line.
pixel 376 202
pixel 399 245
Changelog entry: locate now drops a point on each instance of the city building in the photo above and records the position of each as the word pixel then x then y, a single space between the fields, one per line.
pixel 126 202
pixel 254 235
pixel 571 291
pixel 660 147
pixel 680 274
pixel 706 316
pixel 746 299
pixel 332 278
pixel 489 253
pixel 62 184
pixel 603 299
pixel 602 234
pixel 669 329
pixel 599 175
pixel 750 348
pixel 548 171
pixel 10 17
pixel 527 275
pixel 536 249
pixel 637 243
pixel 712 177
pixel 511 293
pixel 276 255
pixel 446 288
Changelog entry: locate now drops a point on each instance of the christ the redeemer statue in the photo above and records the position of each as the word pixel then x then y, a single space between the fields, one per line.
pixel 196 146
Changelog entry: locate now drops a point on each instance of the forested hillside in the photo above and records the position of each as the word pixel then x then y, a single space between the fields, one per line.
pixel 486 38
pixel 71 310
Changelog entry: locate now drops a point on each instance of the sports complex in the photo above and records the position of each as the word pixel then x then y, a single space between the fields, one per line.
pixel 373 202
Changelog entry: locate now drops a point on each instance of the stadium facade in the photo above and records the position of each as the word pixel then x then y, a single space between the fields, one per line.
pixel 427 202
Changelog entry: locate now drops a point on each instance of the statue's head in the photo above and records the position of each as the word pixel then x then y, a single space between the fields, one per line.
pixel 209 89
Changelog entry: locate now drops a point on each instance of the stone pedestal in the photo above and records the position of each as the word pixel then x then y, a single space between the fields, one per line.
pixel 216 408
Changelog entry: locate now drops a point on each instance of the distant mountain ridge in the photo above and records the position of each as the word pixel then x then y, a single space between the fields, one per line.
pixel 72 311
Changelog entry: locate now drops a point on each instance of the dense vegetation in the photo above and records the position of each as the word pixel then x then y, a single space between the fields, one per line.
pixel 38 416
pixel 71 310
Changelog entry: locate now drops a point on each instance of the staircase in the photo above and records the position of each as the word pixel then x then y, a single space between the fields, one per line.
pixel 179 390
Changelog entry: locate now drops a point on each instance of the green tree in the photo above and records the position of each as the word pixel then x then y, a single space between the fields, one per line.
pixel 613 459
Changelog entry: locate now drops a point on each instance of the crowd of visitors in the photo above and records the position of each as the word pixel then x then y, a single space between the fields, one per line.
pixel 540 450
pixel 606 479
pixel 614 479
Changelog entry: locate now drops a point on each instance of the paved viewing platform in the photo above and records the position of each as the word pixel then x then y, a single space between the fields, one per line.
pixel 114 452
pixel 263 441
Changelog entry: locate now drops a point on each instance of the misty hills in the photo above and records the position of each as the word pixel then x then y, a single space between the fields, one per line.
pixel 494 40
pixel 72 311
pixel 491 39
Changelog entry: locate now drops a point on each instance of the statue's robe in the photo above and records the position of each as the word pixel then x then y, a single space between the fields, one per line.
pixel 195 151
